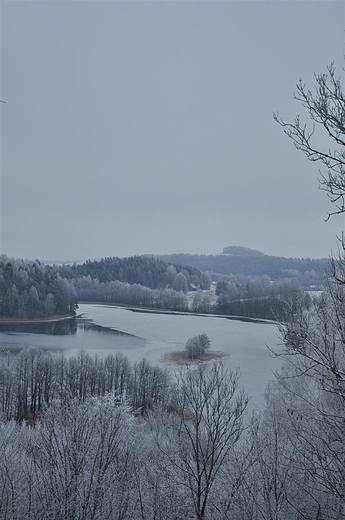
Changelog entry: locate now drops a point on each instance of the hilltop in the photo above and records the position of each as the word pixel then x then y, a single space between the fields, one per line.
pixel 236 260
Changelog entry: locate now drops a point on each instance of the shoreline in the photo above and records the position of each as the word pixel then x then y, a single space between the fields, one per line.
pixel 154 310
pixel 51 319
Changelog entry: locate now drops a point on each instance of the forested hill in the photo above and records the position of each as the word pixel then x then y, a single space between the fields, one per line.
pixel 275 267
pixel 143 270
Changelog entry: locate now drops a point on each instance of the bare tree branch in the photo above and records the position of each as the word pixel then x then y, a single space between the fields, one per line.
pixel 326 109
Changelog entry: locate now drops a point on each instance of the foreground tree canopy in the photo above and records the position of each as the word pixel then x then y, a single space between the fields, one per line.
pixel 113 440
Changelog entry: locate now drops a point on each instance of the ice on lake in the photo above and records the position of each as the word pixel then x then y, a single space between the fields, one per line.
pixel 102 330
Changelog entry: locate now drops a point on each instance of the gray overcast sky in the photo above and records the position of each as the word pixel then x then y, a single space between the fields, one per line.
pixel 146 127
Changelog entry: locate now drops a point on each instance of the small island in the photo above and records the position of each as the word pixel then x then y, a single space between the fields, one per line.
pixel 197 350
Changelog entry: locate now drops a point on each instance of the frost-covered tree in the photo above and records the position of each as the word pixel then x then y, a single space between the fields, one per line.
pixel 180 283
pixel 315 387
pixel 326 110
pixel 201 302
pixel 197 346
pixel 81 460
pixel 200 432
pixel 33 290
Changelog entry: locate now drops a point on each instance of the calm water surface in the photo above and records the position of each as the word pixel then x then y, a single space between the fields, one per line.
pixel 104 329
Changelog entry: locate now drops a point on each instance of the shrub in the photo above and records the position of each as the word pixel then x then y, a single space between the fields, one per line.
pixel 197 346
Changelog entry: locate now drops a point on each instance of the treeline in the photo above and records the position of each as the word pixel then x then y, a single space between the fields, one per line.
pixel 241 251
pixel 309 272
pixel 33 290
pixel 260 298
pixel 89 289
pixel 138 280
pixel 34 379
pixel 242 296
pixel 138 270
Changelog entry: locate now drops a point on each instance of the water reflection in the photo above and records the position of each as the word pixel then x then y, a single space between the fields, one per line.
pixel 68 336
pixel 65 327
pixel 88 326
pixel 54 328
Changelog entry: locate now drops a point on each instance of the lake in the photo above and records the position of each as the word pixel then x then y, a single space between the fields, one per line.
pixel 105 329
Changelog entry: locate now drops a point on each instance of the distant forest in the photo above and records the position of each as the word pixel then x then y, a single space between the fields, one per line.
pixel 308 271
pixel 261 298
pixel 33 290
pixel 248 283
pixel 151 282
pixel 138 280
pixel 144 270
